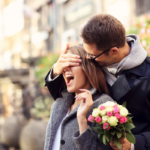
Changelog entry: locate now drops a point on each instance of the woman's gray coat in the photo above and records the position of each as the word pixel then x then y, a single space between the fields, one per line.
pixel 70 137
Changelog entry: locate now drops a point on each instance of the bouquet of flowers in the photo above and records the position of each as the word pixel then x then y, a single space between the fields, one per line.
pixel 112 122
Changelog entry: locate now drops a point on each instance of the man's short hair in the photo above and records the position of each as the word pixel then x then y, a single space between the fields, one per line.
pixel 105 31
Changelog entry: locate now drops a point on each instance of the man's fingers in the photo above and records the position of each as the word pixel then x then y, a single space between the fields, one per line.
pixel 70 56
pixel 70 64
pixel 62 60
pixel 67 46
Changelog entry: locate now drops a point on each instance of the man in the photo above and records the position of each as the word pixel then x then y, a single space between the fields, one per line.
pixel 126 68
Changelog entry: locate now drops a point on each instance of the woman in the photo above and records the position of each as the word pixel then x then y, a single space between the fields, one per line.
pixel 68 128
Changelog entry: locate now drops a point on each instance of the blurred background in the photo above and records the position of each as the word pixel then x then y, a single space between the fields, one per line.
pixel 32 35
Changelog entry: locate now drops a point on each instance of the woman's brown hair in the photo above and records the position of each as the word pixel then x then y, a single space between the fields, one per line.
pixel 91 69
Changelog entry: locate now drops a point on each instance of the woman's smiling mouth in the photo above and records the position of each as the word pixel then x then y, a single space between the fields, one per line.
pixel 69 79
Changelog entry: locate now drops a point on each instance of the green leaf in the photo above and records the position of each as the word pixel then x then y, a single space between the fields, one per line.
pixel 119 134
pixel 107 137
pixel 130 119
pixel 95 128
pixel 130 137
pixel 112 132
pixel 101 138
pixel 100 131
pixel 128 126
pixel 123 136
pixel 104 139
pixel 124 104
pixel 117 143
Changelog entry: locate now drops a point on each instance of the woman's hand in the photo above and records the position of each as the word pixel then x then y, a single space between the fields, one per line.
pixel 64 61
pixel 85 105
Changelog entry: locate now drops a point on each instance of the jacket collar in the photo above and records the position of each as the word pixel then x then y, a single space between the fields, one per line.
pixel 139 70
pixel 71 98
pixel 121 86
pixel 66 94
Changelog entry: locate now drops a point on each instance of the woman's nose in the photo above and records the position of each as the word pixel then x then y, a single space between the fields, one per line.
pixel 67 69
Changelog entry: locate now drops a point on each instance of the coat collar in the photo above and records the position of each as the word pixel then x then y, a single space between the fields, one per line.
pixel 67 95
pixel 121 86
pixel 139 70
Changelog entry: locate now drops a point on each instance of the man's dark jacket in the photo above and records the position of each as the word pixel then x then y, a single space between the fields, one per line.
pixel 132 87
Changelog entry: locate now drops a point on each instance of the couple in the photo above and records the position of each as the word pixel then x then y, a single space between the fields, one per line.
pixel 126 69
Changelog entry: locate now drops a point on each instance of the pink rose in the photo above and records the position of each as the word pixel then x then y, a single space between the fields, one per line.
pixel 102 107
pixel 117 116
pixel 115 106
pixel 91 118
pixel 142 31
pixel 106 124
pixel 109 113
pixel 98 119
pixel 123 120
pixel 148 30
pixel 116 110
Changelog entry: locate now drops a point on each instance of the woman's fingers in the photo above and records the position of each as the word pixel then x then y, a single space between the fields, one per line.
pixel 85 96
pixel 84 90
pixel 81 96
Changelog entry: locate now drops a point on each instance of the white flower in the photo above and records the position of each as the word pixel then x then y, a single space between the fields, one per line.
pixel 124 112
pixel 95 112
pixel 120 107
pixel 103 112
pixel 104 119
pixel 108 104
pixel 112 121
pixel 109 109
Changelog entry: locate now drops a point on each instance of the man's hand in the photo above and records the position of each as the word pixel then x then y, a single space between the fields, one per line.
pixel 126 145
pixel 64 61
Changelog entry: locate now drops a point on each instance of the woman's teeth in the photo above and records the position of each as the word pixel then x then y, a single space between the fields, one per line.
pixel 69 79
pixel 68 76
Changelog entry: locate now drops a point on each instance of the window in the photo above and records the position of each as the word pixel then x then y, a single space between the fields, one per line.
pixel 142 6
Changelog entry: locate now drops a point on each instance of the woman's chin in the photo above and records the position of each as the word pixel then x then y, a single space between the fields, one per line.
pixel 71 90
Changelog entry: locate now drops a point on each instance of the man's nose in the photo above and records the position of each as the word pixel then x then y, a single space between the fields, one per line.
pixel 88 57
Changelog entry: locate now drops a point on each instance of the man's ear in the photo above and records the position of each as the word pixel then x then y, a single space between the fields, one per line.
pixel 114 50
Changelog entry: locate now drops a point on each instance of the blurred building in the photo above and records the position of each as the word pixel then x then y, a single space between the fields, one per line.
pixel 30 29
